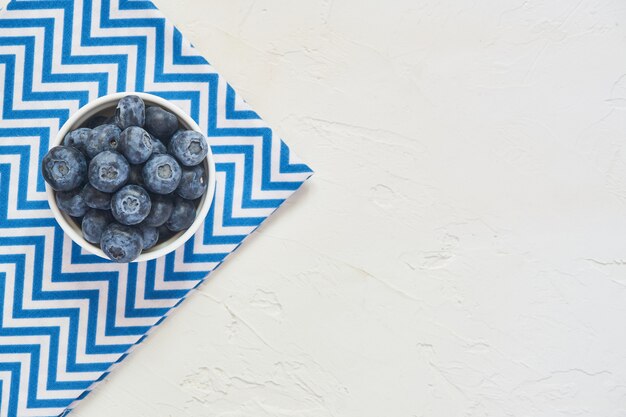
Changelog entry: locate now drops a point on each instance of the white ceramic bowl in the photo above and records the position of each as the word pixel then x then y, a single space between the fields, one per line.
pixel 106 105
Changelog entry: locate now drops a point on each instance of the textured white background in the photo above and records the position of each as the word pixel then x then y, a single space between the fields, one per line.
pixel 461 250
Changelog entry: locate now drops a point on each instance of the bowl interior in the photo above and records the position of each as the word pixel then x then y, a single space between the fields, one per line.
pixel 106 106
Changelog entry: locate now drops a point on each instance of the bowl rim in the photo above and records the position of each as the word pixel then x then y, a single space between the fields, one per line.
pixel 92 108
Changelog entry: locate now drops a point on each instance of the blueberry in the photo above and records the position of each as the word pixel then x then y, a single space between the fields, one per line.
pixel 192 183
pixel 64 168
pixel 121 243
pixel 161 174
pixel 164 233
pixel 161 210
pixel 108 171
pixel 78 139
pixel 135 145
pixel 150 236
pixel 71 202
pixel 96 120
pixel 131 205
pixel 136 175
pixel 189 147
pixel 94 223
pixel 130 112
pixel 160 123
pixel 158 147
pixel 96 199
pixel 103 138
pixel 178 132
pixel 183 215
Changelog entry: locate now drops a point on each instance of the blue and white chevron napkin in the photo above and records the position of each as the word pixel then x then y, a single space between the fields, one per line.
pixel 68 316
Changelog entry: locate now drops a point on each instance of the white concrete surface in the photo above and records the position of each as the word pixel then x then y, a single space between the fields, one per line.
pixel 461 250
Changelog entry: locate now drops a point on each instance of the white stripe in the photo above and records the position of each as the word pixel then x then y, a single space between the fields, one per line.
pixel 5 377
pixel 12 212
pixel 181 266
pixel 161 284
pixel 142 302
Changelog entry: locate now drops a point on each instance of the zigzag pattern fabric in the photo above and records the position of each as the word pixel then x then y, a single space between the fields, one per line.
pixel 67 317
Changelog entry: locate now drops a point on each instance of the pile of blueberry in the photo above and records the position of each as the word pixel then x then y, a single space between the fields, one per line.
pixel 130 181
